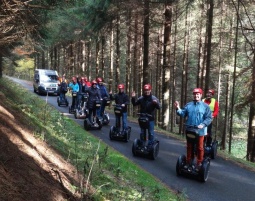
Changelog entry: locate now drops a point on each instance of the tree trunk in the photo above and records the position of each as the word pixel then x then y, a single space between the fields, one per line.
pixel 166 66
pixel 146 30
pixel 209 44
pixel 251 130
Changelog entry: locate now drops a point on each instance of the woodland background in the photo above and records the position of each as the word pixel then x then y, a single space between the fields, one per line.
pixel 174 45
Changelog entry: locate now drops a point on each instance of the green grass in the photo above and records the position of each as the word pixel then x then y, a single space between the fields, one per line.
pixel 112 175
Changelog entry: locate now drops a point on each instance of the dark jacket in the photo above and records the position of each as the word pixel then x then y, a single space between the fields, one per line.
pixel 94 94
pixel 147 105
pixel 121 98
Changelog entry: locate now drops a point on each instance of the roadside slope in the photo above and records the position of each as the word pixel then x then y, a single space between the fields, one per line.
pixel 29 168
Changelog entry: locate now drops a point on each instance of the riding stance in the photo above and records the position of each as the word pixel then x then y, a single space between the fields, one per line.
pixel 148 103
pixel 94 94
pixel 214 107
pixel 74 86
pixel 122 99
pixel 104 94
pixel 62 89
pixel 198 114
pixel 83 88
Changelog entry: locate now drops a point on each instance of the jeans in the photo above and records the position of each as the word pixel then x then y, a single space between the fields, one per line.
pixel 100 111
pixel 150 132
pixel 62 96
pixel 124 120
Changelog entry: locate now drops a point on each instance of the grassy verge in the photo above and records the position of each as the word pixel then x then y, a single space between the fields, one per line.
pixel 112 176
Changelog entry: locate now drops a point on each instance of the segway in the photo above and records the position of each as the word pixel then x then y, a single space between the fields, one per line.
pixel 211 150
pixel 106 117
pixel 82 111
pixel 117 132
pixel 142 146
pixel 96 121
pixel 62 101
pixel 73 106
pixel 187 168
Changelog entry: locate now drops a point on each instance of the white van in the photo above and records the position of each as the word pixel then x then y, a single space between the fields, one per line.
pixel 45 81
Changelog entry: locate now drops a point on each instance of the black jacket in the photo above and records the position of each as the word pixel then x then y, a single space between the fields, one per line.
pixel 121 98
pixel 94 94
pixel 147 105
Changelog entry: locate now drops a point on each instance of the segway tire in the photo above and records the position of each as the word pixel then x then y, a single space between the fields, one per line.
pixel 204 171
pixel 111 133
pixel 155 150
pixel 180 164
pixel 86 125
pixel 134 147
pixel 214 150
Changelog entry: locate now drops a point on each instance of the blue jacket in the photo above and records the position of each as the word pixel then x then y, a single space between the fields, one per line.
pixel 196 113
pixel 103 91
pixel 74 87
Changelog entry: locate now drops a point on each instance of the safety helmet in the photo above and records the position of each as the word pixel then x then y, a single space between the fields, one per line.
pixel 88 84
pixel 147 87
pixel 197 90
pixel 211 91
pixel 121 86
pixel 93 82
pixel 83 79
pixel 99 79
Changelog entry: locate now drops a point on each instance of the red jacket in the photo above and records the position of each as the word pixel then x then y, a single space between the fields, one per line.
pixel 216 107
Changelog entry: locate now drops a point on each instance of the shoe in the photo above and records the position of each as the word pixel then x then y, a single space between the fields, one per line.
pixel 198 167
pixel 186 166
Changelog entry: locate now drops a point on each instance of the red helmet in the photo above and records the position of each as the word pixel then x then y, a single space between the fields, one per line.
pixel 88 84
pixel 147 87
pixel 198 90
pixel 121 86
pixel 99 79
pixel 83 79
pixel 211 91
pixel 93 82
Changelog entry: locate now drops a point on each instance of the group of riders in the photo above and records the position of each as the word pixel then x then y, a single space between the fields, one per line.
pixel 200 112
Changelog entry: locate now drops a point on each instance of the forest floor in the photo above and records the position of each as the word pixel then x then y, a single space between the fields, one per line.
pixel 29 169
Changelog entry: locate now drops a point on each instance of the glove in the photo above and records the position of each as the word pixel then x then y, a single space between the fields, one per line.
pixel 155 102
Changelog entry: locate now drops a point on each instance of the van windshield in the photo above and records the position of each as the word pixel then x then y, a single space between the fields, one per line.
pixel 49 78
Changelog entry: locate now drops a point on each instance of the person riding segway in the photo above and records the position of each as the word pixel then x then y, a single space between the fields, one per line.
pixel 62 90
pixel 120 131
pixel 74 86
pixel 147 144
pixel 94 103
pixel 198 116
pixel 105 102
pixel 210 144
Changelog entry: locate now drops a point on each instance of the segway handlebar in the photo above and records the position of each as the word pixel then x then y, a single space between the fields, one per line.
pixel 144 114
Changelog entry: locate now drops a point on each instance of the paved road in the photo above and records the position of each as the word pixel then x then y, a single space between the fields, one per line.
pixel 226 182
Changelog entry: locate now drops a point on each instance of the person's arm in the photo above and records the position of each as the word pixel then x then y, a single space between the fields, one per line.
pixel 156 103
pixel 208 116
pixel 216 109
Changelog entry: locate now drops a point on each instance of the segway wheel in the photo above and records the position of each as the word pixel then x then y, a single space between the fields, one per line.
pixel 100 125
pixel 111 133
pixel 106 119
pixel 155 150
pixel 204 172
pixel 134 147
pixel 214 149
pixel 86 125
pixel 75 114
pixel 180 164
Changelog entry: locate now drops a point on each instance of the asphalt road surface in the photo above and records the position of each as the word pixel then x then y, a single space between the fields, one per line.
pixel 227 181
